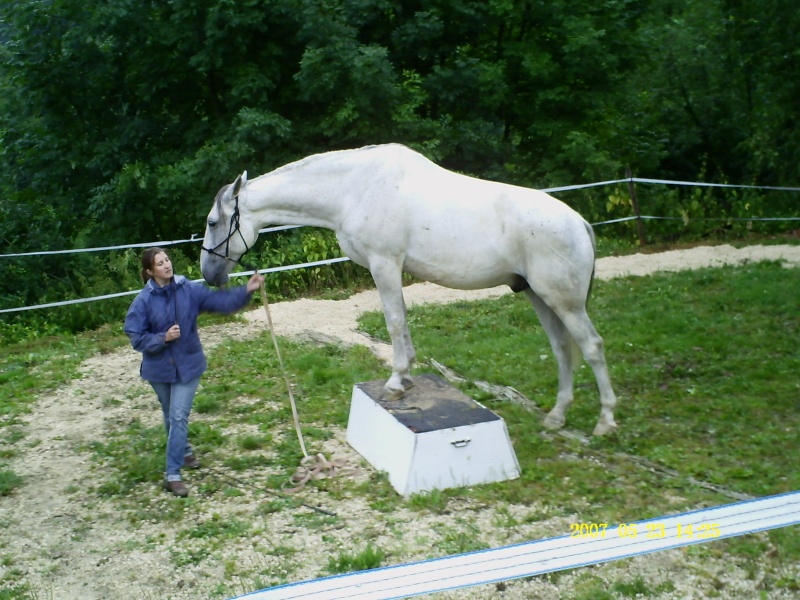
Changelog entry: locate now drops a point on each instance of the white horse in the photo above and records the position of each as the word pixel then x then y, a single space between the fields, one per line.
pixel 393 210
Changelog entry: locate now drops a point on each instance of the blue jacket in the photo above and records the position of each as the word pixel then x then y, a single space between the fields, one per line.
pixel 156 309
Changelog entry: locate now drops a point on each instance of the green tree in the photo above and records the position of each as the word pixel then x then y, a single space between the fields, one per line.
pixel 120 120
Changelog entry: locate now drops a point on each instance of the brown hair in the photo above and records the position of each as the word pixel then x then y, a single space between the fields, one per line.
pixel 148 257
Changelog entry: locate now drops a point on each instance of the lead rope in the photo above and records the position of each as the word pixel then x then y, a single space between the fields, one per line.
pixel 311 467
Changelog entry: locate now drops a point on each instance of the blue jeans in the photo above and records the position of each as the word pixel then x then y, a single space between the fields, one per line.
pixel 176 404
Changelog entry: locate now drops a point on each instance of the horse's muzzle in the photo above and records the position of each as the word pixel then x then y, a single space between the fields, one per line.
pixel 217 279
pixel 214 271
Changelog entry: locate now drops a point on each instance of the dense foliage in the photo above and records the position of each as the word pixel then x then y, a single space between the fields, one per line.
pixel 120 120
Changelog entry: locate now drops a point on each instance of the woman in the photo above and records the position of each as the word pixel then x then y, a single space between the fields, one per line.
pixel 162 325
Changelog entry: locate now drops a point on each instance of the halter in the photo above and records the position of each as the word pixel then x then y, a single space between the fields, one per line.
pixel 233 229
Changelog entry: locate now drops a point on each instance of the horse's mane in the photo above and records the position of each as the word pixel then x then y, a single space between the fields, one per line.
pixel 312 159
pixel 218 197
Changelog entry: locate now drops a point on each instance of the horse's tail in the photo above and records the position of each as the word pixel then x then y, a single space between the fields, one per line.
pixel 590 231
pixel 577 355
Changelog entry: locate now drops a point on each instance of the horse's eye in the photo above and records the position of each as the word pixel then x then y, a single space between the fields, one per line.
pixel 211 224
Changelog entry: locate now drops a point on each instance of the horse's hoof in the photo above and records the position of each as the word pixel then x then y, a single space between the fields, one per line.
pixel 552 421
pixel 393 395
pixel 603 427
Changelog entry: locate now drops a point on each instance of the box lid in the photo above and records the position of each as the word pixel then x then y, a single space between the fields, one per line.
pixel 430 405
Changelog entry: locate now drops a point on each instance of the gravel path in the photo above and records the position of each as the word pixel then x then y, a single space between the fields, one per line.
pixel 68 544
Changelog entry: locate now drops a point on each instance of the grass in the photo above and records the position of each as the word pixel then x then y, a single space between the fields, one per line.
pixel 459 540
pixel 704 363
pixel 8 482
pixel 347 562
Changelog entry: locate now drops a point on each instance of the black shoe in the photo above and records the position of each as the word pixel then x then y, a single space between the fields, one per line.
pixel 176 488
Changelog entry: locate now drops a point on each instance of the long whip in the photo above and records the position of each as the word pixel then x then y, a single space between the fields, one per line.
pixel 311 467
pixel 283 372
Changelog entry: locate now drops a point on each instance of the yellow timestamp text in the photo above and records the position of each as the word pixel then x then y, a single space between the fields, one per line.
pixel 653 530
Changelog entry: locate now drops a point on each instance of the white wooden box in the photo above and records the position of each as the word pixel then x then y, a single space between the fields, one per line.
pixel 434 437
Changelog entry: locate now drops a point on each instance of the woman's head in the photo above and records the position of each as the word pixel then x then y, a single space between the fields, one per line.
pixel 156 265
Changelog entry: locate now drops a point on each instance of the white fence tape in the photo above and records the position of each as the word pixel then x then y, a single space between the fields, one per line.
pixel 669 182
pixel 589 545
pixel 717 185
pixel 67 302
pixel 100 248
pixel 133 292
pixel 195 238
pixel 581 186
pixel 724 219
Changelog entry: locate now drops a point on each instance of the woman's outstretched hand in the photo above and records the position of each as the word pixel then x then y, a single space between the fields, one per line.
pixel 255 282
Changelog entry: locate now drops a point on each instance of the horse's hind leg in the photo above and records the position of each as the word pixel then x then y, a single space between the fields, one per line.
pixel 591 344
pixel 561 343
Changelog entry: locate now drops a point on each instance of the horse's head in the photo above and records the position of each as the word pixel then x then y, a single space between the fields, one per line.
pixel 229 232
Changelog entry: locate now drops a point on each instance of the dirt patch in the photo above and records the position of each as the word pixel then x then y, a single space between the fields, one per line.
pixel 67 543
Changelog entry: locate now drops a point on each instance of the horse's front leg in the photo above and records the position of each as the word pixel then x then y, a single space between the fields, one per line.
pixel 411 353
pixel 388 279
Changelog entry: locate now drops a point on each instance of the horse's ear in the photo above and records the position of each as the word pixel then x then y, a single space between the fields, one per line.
pixel 240 182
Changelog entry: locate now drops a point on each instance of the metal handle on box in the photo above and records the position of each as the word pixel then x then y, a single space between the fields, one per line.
pixel 460 443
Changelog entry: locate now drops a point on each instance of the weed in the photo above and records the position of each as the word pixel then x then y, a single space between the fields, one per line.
pixel 134 457
pixel 590 587
pixel 369 558
pixel 274 505
pixel 632 589
pixel 217 528
pixel 665 588
pixel 382 496
pixel 182 557
pixel 206 405
pixel 9 481
pixel 206 435
pixel 465 538
pixel 243 463
pixel 313 520
pixel 505 519
pixel 253 442
pixel 434 501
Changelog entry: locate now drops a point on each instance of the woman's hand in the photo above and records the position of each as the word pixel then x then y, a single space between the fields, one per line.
pixel 173 333
pixel 255 282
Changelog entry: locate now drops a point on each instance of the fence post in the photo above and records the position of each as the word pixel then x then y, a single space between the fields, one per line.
pixel 635 203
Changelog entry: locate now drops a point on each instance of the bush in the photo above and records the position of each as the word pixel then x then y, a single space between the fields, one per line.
pixel 305 245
